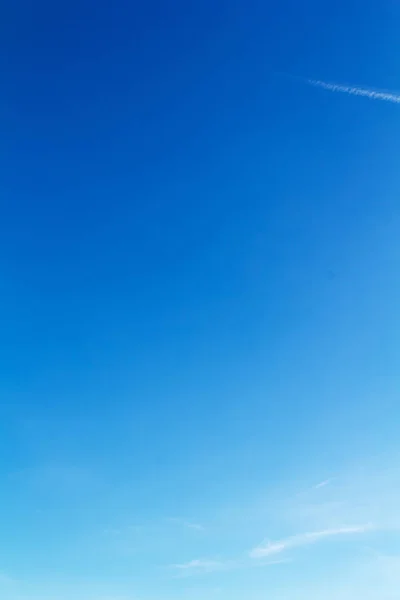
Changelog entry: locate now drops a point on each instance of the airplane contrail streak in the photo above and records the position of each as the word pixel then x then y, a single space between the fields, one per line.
pixel 356 91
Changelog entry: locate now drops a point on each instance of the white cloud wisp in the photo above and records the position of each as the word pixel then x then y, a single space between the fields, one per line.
pixel 199 566
pixel 305 539
pixel 373 94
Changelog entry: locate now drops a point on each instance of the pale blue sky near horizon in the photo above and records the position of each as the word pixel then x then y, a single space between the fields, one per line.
pixel 199 270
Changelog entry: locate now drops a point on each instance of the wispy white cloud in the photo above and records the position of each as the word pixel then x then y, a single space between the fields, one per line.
pixel 195 526
pixel 205 566
pixel 371 93
pixel 187 524
pixel 322 484
pixel 305 539
pixel 202 564
pixel 359 495
pixel 199 566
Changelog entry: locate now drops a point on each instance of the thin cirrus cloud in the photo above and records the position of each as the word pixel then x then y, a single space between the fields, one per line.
pixel 373 94
pixel 195 526
pixel 322 484
pixel 266 551
pixel 305 539
pixel 186 524
pixel 199 566
pixel 205 566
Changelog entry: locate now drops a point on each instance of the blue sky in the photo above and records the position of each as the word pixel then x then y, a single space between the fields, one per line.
pixel 199 259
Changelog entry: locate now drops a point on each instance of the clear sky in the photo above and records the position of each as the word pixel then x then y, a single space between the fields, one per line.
pixel 200 288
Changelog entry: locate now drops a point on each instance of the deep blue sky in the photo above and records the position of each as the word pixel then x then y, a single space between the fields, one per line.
pixel 199 271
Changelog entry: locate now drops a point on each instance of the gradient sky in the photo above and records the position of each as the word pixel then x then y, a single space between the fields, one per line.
pixel 200 288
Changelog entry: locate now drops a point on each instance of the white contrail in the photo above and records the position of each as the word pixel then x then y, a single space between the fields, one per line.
pixel 356 91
